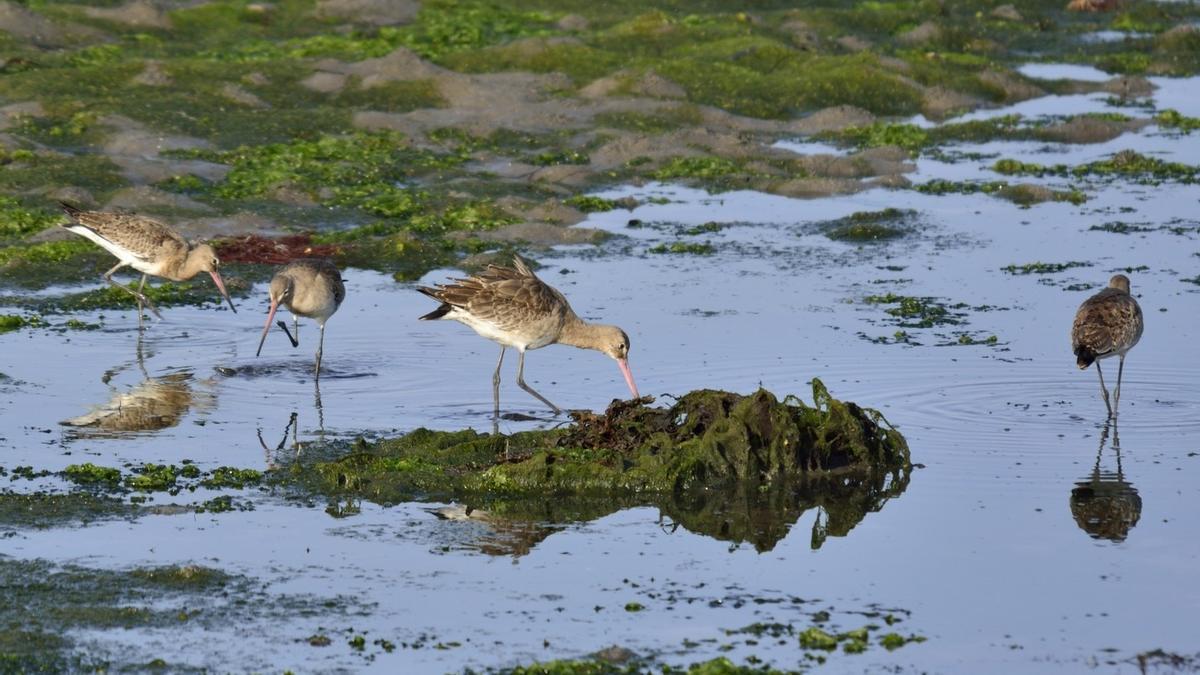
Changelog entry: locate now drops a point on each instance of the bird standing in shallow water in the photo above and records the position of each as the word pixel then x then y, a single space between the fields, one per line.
pixel 147 246
pixel 308 287
pixel 512 306
pixel 1107 324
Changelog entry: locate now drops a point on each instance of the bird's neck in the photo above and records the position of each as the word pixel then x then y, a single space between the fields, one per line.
pixel 578 333
pixel 184 268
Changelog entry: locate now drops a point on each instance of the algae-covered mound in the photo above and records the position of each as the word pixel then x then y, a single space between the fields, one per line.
pixel 706 439
pixel 737 468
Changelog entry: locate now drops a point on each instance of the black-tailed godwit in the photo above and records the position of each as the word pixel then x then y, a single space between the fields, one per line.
pixel 512 306
pixel 308 287
pixel 147 246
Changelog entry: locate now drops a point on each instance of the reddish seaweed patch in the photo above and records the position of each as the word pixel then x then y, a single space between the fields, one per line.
pixel 257 249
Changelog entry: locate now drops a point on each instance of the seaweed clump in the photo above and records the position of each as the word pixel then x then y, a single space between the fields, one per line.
pixel 707 439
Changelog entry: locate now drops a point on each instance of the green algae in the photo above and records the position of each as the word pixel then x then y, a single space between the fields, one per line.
pixel 18 221
pixel 739 468
pixel 915 138
pixel 197 292
pixel 592 203
pixel 717 666
pixel 1043 268
pixel 658 122
pixel 683 248
pixel 1173 119
pixel 916 312
pixel 40 510
pixel 11 322
pixel 1022 194
pixel 44 605
pixel 1126 164
pixel 90 474
pixel 866 226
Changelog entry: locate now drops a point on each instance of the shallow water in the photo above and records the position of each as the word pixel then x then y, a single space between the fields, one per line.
pixel 989 553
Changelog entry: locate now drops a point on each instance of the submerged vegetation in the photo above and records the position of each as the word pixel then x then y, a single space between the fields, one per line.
pixel 386 135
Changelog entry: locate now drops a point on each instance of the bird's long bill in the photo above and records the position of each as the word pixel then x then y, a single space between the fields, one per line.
pixel 624 365
pixel 221 287
pixel 267 326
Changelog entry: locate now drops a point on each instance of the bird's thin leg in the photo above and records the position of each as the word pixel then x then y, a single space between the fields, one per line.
pixel 1103 389
pixel 320 348
pixel 296 329
pixel 1117 393
pixel 521 383
pixel 496 384
pixel 141 294
pixel 140 297
pixel 283 327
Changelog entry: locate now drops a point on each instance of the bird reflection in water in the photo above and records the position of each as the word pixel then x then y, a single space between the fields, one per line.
pixel 292 428
pixel 154 404
pixel 1104 504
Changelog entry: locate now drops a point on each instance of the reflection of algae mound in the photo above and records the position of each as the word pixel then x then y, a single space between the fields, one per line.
pixel 741 468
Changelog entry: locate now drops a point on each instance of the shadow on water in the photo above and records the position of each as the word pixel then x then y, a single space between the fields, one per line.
pixel 1104 504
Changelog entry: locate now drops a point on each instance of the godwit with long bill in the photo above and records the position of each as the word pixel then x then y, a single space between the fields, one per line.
pixel 308 287
pixel 512 306
pixel 148 246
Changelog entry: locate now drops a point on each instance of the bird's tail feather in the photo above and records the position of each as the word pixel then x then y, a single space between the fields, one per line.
pixel 438 313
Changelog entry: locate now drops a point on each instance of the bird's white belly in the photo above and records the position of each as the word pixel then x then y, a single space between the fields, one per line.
pixel 123 254
pixel 490 330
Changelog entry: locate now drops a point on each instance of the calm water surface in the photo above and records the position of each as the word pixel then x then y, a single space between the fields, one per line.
pixel 995 551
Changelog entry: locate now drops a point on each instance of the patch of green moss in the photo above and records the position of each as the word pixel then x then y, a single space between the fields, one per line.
pixel 865 226
pixel 707 438
pixel 90 474
pixel 17 221
pixel 683 248
pixel 706 168
pixel 916 312
pixel 1043 268
pixel 230 477
pixel 1173 119
pixel 164 294
pixel 10 322
pixel 42 509
pixel 915 138
pixel 815 638
pixel 592 203
pixel 660 121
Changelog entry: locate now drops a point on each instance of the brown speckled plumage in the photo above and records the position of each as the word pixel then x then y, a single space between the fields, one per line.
pixel 1107 324
pixel 146 245
pixel 149 240
pixel 512 301
pixel 512 306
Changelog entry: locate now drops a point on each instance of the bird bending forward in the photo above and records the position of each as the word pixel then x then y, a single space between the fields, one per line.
pixel 512 306
pixel 1107 324
pixel 308 287
pixel 147 246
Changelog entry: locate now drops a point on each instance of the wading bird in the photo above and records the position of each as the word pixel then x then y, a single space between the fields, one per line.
pixel 512 306
pixel 308 287
pixel 1107 324
pixel 147 246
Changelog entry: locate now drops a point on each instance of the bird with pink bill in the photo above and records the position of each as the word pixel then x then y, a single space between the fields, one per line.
pixel 148 246
pixel 512 306
pixel 308 287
